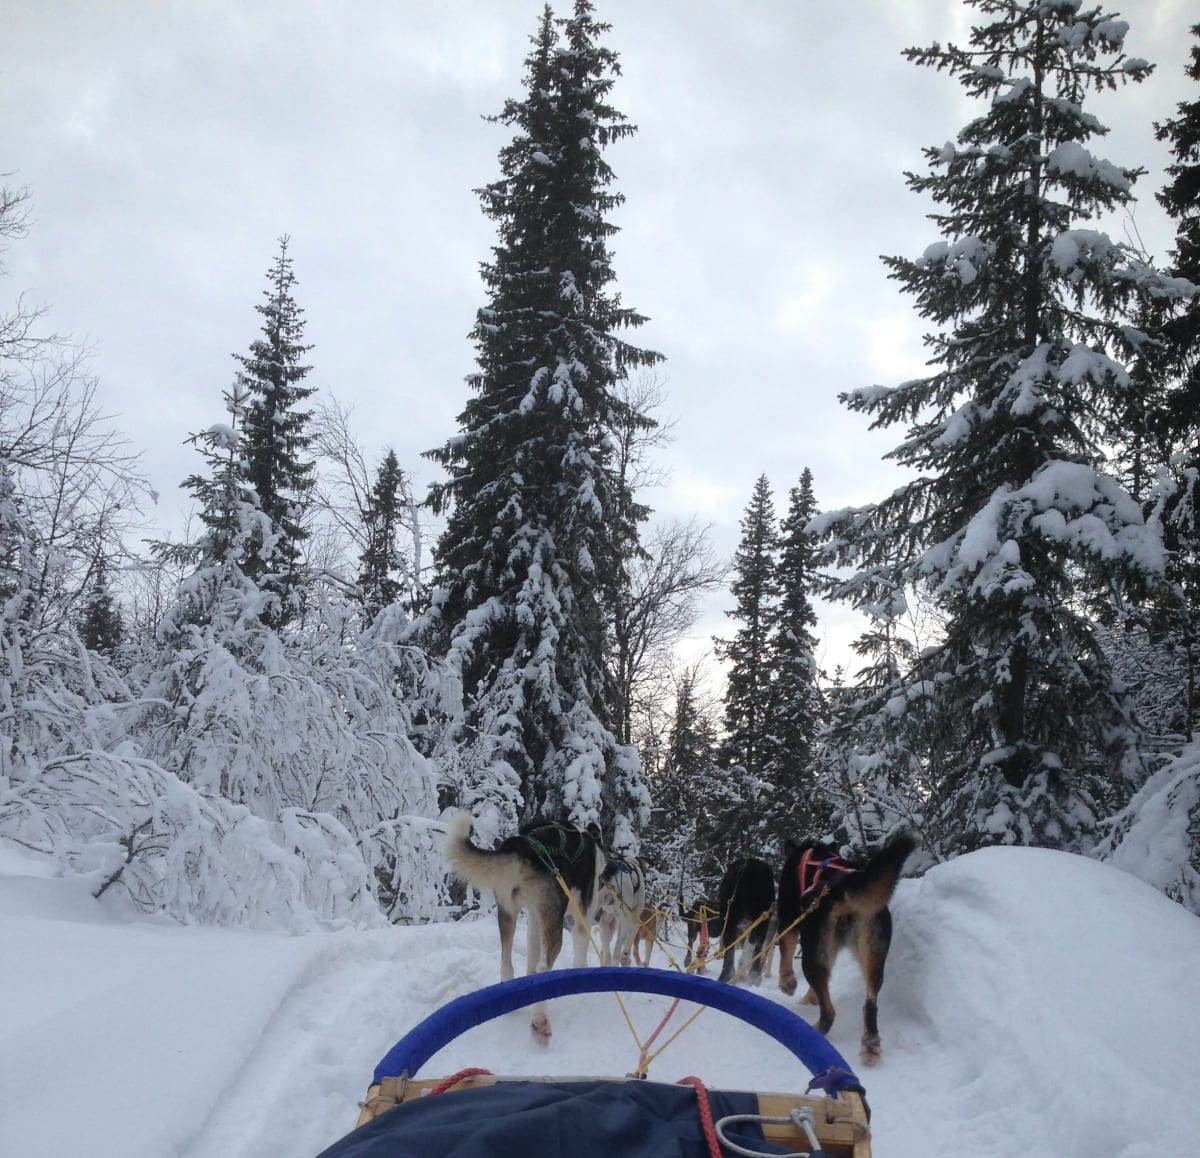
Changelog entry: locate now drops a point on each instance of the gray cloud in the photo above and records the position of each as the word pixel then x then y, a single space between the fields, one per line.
pixel 168 144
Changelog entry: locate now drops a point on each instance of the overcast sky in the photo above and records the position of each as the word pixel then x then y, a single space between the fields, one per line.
pixel 167 145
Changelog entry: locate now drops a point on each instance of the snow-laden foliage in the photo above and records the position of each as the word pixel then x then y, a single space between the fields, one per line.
pixel 539 522
pixel 1156 836
pixel 140 831
pixel 253 780
pixel 248 762
pixel 694 827
pixel 288 723
pixel 1010 521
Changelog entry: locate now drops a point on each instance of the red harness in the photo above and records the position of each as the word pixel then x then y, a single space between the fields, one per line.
pixel 811 873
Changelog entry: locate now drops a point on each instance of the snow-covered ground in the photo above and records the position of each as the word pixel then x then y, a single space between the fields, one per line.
pixel 1036 1004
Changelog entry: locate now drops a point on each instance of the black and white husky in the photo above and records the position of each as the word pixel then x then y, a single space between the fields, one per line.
pixel 622 899
pixel 524 872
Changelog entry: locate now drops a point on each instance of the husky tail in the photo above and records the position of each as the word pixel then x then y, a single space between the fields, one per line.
pixel 477 866
pixel 873 887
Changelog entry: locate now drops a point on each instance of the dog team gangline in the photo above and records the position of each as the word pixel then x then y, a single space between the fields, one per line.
pixel 475 1111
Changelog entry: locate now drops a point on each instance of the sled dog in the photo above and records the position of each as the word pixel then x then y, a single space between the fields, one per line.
pixel 622 898
pixel 747 893
pixel 523 871
pixel 649 927
pixel 702 920
pixel 853 913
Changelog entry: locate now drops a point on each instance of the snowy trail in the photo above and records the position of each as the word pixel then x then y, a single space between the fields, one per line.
pixel 1035 1004
pixel 311 1065
pixel 958 1033
pixel 300 1089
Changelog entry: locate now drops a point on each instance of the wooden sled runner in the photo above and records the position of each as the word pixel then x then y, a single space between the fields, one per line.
pixel 475 1112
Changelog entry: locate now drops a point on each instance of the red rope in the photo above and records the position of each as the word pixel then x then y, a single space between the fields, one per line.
pixel 706 1118
pixel 453 1080
pixel 641 1066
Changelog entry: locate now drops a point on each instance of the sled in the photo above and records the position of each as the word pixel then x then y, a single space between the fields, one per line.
pixel 538 1117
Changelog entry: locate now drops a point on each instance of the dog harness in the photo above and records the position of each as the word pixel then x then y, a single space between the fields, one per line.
pixel 618 866
pixel 811 872
pixel 550 840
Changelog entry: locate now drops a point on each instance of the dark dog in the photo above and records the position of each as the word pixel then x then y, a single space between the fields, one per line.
pixel 703 924
pixel 747 894
pixel 522 873
pixel 829 903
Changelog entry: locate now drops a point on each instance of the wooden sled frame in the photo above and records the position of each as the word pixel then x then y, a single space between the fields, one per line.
pixel 840 1124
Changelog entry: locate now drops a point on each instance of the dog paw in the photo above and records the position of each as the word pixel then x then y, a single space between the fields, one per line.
pixel 871 1051
pixel 787 985
pixel 809 998
pixel 539 1027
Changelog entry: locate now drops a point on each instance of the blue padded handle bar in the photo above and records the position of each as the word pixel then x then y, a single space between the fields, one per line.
pixel 442 1026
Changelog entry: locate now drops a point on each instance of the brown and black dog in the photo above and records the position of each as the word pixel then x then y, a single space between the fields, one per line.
pixel 702 922
pixel 852 913
pixel 521 872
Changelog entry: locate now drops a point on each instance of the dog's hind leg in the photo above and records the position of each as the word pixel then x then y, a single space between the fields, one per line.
pixel 506 916
pixel 608 931
pixel 787 958
pixel 533 943
pixel 580 936
pixel 757 946
pixel 817 951
pixel 552 935
pixel 871 948
pixel 545 932
pixel 728 952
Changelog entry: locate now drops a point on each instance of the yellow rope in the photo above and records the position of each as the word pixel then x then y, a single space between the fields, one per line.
pixel 644 1058
pixel 647 1059
pixel 586 926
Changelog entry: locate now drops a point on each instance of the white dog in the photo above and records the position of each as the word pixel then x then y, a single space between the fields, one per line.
pixel 622 899
pixel 524 872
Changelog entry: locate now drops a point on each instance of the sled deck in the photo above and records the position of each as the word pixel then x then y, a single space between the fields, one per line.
pixel 477 1113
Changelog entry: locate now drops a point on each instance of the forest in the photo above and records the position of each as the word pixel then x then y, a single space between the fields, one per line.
pixel 266 720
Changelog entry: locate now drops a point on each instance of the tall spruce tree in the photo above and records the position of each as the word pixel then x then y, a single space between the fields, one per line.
pixel 1007 522
pixel 217 586
pixel 870 766
pixel 1180 197
pixel 538 523
pixel 277 438
pixel 101 626
pixel 748 746
pixel 1174 362
pixel 795 697
pixel 382 563
pixel 690 836
pixel 1164 662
